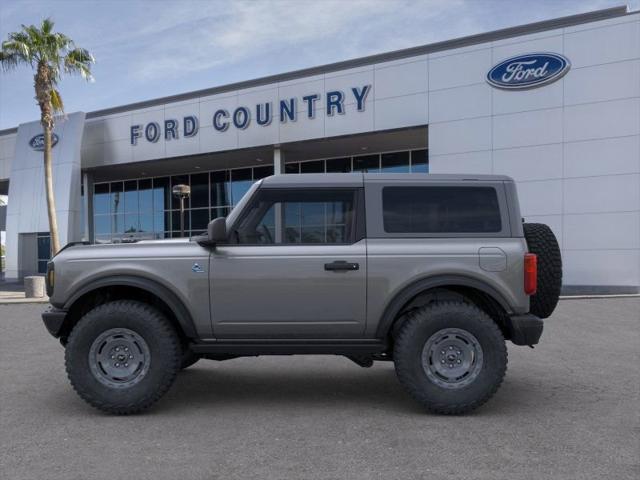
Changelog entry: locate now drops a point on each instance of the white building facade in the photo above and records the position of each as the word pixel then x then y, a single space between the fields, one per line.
pixel 555 105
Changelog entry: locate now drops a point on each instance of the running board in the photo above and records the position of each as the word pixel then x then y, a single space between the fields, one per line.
pixel 250 347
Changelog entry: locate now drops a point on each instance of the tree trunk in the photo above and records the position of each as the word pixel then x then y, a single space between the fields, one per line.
pixel 43 86
pixel 51 201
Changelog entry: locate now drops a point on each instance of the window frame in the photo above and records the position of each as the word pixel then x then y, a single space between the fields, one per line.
pixel 357 226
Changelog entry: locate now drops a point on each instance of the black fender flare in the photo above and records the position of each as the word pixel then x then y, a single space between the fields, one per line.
pixel 153 287
pixel 401 298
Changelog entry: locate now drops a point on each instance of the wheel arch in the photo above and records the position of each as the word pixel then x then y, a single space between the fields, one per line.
pixel 135 288
pixel 480 293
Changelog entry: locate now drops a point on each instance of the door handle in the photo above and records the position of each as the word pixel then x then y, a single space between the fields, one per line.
pixel 341 265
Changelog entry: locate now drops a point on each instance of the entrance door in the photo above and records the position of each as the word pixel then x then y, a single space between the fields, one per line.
pixel 294 267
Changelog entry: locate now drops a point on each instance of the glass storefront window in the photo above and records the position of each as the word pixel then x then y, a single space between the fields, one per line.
pixel 339 165
pixel 175 221
pixel 420 161
pixel 199 218
pixel 44 251
pixel 179 180
pixel 131 203
pixel 219 212
pixel 397 162
pixel 161 194
pixel 241 180
pixel 316 166
pixel 200 190
pixel 261 172
pixel 292 168
pixel 117 206
pixel 145 195
pixel 220 189
pixel 101 198
pixel 366 163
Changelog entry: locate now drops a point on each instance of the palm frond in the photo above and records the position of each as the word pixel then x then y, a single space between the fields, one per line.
pixel 56 101
pixel 79 61
pixel 9 61
pixel 47 26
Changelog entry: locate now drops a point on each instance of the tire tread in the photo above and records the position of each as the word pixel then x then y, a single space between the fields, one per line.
pixel 165 329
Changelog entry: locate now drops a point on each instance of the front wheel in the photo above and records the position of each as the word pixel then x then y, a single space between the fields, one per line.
pixel 450 356
pixel 122 356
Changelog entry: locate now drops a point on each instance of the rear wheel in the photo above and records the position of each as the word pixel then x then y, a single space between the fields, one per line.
pixel 542 242
pixel 450 356
pixel 122 356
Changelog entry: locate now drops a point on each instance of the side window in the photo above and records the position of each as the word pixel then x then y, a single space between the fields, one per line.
pixel 441 210
pixel 291 216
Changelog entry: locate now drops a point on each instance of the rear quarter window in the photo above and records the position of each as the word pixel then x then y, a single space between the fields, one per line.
pixel 433 209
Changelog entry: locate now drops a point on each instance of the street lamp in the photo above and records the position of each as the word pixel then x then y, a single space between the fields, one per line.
pixel 182 192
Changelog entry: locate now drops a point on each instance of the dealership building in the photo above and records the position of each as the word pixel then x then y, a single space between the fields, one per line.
pixel 553 104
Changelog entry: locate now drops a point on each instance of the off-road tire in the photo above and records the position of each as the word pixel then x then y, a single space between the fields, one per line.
pixel 419 326
pixel 188 358
pixel 543 243
pixel 164 351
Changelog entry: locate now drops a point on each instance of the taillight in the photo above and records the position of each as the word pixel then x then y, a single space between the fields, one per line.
pixel 530 273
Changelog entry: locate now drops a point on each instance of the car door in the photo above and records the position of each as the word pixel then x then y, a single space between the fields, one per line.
pixel 294 267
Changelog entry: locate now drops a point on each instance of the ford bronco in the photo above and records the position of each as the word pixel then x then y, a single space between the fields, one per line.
pixel 432 272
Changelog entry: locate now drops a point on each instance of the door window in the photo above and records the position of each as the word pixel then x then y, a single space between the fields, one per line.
pixel 305 217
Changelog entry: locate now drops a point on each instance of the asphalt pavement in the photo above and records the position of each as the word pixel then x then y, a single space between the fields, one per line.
pixel 568 409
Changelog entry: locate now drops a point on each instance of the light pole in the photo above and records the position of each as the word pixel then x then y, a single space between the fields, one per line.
pixel 182 192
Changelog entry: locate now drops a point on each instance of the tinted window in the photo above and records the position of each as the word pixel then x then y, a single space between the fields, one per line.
pixel 298 217
pixel 440 210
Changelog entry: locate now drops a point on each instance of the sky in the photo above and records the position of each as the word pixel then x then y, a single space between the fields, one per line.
pixel 150 49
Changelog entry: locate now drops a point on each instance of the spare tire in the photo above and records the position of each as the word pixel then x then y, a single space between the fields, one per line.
pixel 543 243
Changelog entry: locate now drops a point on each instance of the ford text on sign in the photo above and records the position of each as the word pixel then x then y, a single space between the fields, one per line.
pixel 528 71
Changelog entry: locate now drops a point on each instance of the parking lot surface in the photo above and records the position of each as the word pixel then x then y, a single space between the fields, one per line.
pixel 567 409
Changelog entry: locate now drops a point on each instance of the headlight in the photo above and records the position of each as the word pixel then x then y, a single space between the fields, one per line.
pixel 50 278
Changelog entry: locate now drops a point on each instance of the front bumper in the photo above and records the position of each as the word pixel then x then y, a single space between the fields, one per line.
pixel 54 319
pixel 525 329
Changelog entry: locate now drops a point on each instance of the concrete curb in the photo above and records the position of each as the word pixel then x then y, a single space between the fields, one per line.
pixel 616 295
pixel 11 301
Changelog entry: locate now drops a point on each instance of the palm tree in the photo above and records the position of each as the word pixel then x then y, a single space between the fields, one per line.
pixel 49 54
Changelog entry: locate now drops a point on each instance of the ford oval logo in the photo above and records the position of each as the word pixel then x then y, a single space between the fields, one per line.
pixel 528 71
pixel 37 142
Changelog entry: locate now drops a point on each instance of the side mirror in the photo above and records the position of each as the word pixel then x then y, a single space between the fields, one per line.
pixel 217 230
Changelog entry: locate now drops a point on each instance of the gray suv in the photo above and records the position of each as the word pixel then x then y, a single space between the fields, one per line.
pixel 432 272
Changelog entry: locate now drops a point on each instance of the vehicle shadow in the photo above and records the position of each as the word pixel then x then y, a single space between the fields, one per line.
pixel 250 387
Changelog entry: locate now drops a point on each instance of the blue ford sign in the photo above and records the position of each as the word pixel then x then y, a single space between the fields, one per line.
pixel 528 71
pixel 37 142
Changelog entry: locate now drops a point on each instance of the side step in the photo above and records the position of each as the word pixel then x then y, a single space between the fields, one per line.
pixel 250 347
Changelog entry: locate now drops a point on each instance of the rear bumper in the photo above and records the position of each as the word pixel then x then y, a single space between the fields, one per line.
pixel 525 329
pixel 54 320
